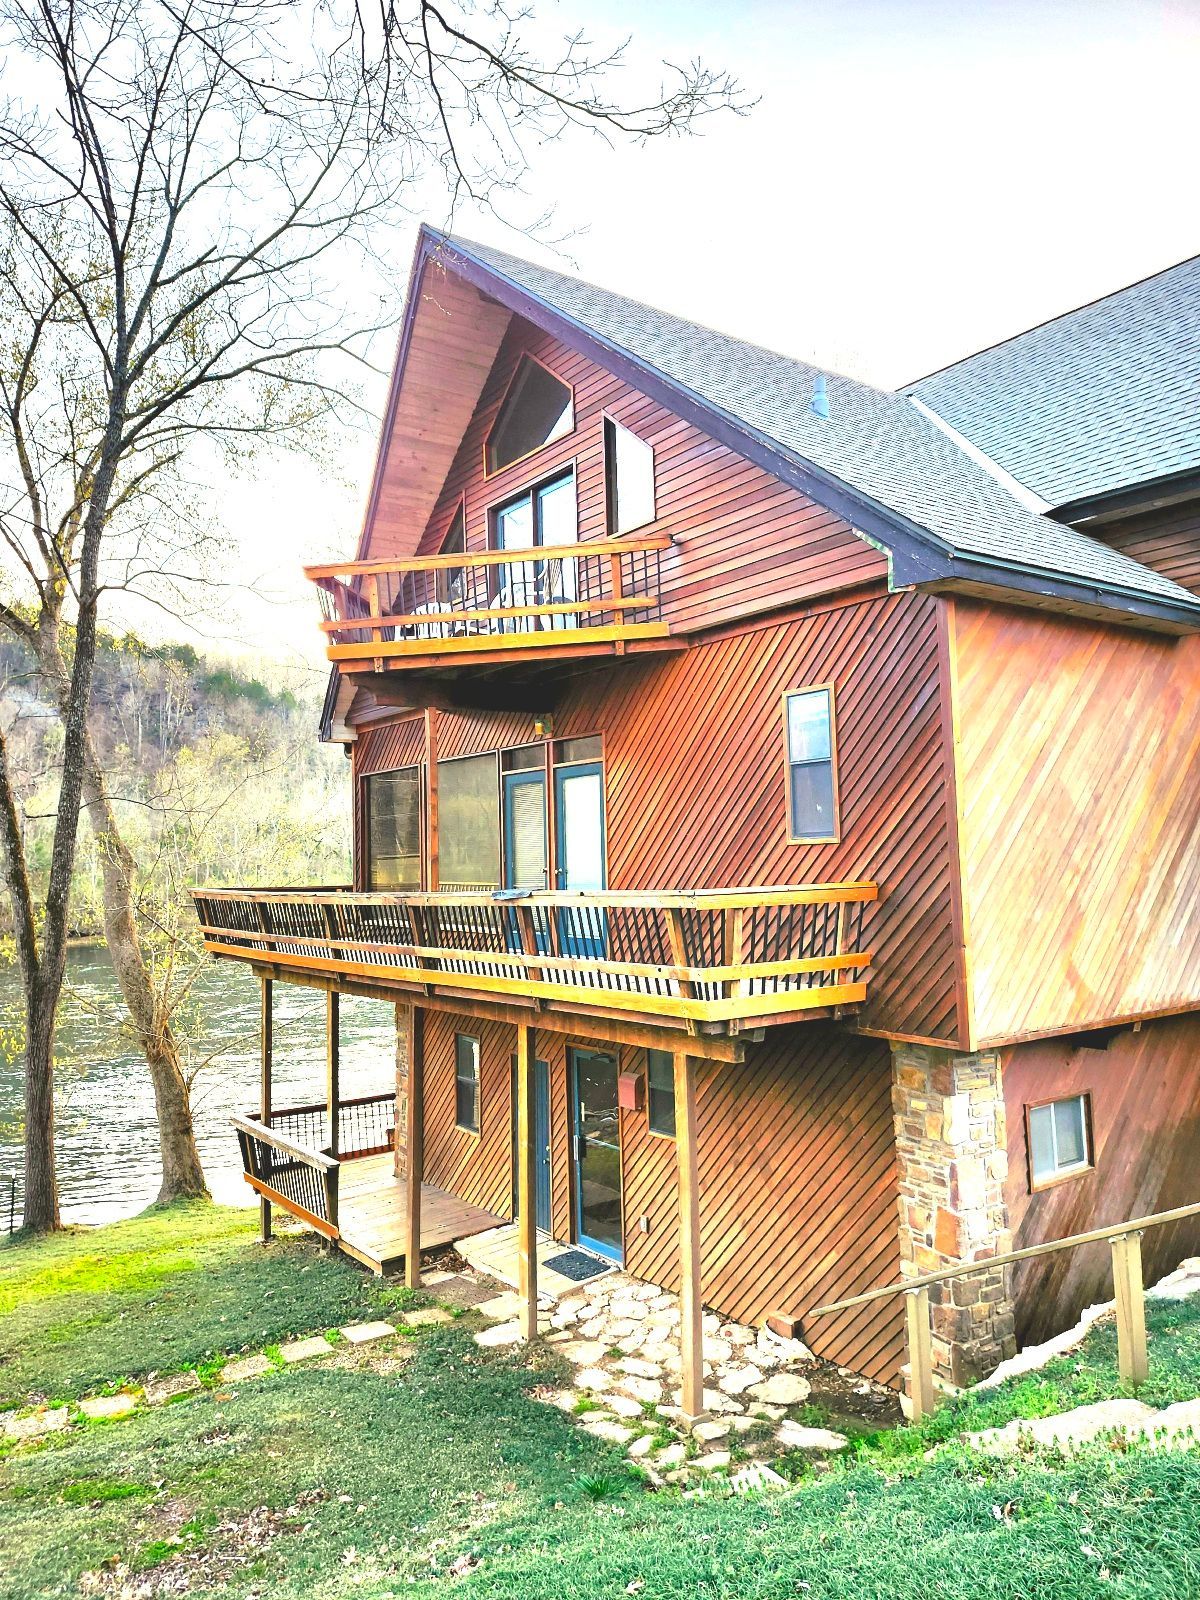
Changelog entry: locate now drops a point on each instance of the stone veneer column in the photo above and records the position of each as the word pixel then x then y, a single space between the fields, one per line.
pixel 403 1018
pixel 952 1160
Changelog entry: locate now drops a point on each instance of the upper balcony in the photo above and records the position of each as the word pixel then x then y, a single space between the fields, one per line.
pixel 708 961
pixel 600 597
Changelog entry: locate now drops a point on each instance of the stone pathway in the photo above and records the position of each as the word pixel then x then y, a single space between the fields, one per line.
pixel 621 1337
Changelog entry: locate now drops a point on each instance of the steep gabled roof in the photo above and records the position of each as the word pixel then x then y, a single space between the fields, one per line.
pixel 902 480
pixel 1095 401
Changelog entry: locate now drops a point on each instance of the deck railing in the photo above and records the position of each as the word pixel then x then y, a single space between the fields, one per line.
pixel 301 1179
pixel 366 1126
pixel 606 589
pixel 1125 1241
pixel 711 956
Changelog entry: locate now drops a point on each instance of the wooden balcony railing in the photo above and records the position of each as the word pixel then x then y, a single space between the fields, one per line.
pixel 293 1162
pixel 601 593
pixel 713 957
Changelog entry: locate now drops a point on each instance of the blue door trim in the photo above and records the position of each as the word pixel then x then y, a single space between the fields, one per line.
pixel 597 1246
pixel 580 933
pixel 511 781
pixel 541 1136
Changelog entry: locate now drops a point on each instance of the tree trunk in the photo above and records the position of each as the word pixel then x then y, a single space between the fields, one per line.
pixel 41 1187
pixel 182 1173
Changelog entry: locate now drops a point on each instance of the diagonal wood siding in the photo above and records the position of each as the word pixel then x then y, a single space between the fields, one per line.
pixel 1080 816
pixel 1167 540
pixel 696 789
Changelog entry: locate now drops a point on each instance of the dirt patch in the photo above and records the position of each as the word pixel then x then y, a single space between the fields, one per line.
pixel 848 1402
pixel 182 1556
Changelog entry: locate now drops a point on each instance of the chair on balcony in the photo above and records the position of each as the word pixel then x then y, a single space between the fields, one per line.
pixel 518 591
pixel 432 630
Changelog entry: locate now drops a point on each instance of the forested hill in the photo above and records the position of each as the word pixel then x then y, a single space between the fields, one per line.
pixel 215 774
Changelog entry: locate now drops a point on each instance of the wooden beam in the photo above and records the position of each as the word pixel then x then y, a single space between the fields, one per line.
pixel 691 1309
pixel 414 1141
pixel 264 1091
pixel 919 1336
pixel 333 1066
pixel 433 873
pixel 526 1185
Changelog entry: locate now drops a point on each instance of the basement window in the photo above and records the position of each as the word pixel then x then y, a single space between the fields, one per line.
pixel 660 1092
pixel 537 409
pixel 1058 1137
pixel 466 1083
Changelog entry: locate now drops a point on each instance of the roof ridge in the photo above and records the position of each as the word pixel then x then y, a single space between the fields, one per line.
pixel 1035 327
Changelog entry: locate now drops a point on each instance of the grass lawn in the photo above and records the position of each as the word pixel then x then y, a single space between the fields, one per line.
pixel 369 1478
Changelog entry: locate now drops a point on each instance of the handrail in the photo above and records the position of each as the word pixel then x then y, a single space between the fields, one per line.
pixel 1128 1292
pixel 672 899
pixel 488 558
pixel 299 1152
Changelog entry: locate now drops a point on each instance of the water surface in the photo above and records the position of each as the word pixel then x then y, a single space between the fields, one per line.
pixel 107 1139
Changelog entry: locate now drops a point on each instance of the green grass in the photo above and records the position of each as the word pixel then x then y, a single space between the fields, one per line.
pixel 180 1286
pixel 328 1481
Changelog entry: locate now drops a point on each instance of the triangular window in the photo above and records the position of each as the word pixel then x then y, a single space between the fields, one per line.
pixel 537 409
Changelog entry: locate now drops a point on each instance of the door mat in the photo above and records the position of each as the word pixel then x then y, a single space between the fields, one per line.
pixel 577 1265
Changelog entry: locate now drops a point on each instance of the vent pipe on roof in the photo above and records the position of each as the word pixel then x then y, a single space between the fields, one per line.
pixel 819 404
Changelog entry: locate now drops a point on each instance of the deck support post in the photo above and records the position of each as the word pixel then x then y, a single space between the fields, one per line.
pixel 691 1308
pixel 333 1066
pixel 414 1144
pixel 526 1185
pixel 267 1044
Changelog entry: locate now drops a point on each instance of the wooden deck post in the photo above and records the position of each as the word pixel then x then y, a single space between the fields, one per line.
pixel 920 1352
pixel 333 1066
pixel 1133 1361
pixel 264 1092
pixel 414 1144
pixel 691 1309
pixel 526 1185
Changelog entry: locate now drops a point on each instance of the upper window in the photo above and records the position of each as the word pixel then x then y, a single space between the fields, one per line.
pixel 1059 1139
pixel 660 1097
pixel 468 823
pixel 393 829
pixel 466 1083
pixel 629 475
pixel 811 756
pixel 537 409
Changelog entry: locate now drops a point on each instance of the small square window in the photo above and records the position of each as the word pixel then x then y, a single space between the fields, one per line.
pixel 466 1082
pixel 660 1097
pixel 1059 1139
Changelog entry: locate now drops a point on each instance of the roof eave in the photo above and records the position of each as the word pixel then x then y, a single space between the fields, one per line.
pixel 1129 499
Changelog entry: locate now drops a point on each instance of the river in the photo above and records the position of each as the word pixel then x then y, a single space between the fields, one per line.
pixel 106 1137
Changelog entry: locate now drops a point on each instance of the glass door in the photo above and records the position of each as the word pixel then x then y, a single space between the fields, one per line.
pixel 579 836
pixel 597 1152
pixel 525 830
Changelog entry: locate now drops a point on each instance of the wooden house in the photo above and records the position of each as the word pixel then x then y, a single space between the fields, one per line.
pixel 776 810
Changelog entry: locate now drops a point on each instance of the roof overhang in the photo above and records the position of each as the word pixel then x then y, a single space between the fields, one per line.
pixel 1128 501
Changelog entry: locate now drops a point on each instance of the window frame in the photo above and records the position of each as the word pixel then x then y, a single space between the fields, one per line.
pixel 607 421
pixel 660 1133
pixel 525 358
pixel 472 1039
pixel 531 491
pixel 802 838
pixel 1068 1174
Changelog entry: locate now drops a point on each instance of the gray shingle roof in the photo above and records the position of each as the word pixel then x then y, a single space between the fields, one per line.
pixel 1099 399
pixel 875 442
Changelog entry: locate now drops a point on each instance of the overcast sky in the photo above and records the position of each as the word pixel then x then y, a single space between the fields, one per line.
pixel 919 179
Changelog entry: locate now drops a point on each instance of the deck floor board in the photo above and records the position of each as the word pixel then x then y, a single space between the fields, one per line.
pixel 373 1214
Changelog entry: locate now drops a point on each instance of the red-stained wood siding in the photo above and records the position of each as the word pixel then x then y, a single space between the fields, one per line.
pixel 1167 540
pixel 696 789
pixel 1145 1098
pixel 797 1174
pixel 1079 820
pixel 745 542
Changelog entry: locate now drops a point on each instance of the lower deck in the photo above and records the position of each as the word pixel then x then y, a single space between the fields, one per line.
pixel 373 1214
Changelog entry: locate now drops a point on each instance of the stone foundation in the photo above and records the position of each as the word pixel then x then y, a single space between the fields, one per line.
pixel 952 1160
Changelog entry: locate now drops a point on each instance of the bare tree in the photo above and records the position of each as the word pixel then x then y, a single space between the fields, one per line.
pixel 186 188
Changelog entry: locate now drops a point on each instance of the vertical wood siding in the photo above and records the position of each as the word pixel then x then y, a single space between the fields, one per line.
pixel 745 542
pixel 1167 540
pixel 1080 820
pixel 1145 1095
pixel 797 1169
pixel 697 793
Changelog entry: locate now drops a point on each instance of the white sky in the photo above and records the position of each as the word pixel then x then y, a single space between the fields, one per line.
pixel 919 179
